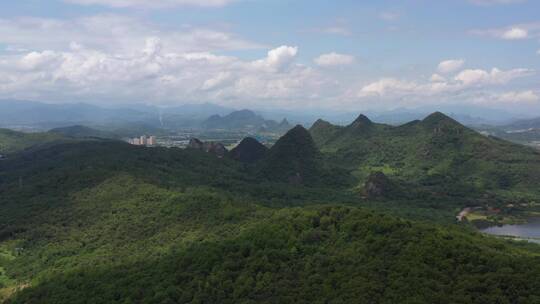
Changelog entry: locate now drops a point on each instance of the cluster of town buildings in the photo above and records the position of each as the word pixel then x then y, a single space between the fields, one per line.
pixel 143 141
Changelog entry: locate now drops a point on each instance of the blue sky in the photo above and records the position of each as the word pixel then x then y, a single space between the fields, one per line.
pixel 295 54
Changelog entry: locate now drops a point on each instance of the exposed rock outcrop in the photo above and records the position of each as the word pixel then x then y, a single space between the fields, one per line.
pixel 216 148
pixel 377 185
pixel 195 143
pixel 209 147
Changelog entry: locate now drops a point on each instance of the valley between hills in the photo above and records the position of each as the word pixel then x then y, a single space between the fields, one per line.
pixel 362 213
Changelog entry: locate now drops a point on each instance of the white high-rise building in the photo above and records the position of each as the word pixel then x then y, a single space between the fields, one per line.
pixel 144 141
pixel 151 141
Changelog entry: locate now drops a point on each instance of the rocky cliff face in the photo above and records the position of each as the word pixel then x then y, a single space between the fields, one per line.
pixel 195 143
pixel 216 148
pixel 377 185
pixel 209 147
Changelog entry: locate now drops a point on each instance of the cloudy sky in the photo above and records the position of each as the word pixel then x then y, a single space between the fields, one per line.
pixel 287 54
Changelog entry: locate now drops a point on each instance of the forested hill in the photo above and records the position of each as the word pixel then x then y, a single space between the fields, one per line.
pixel 114 223
pixel 436 151
pixel 102 221
pixel 295 159
pixel 79 131
pixel 249 150
pixel 13 141
pixel 188 251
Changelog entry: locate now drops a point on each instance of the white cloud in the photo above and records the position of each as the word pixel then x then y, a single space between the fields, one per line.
pixel 334 59
pixel 278 58
pixel 515 33
pixel 495 76
pixel 118 58
pixel 465 81
pixel 398 89
pixel 36 60
pixel 152 3
pixel 152 73
pixel 389 16
pixel 508 98
pixel 437 78
pixel 125 59
pixel 449 66
pixel 388 86
pixel 114 33
pixel 469 77
pixel 221 79
pixel 519 97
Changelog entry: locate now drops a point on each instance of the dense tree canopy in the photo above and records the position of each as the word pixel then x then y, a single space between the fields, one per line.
pixel 100 221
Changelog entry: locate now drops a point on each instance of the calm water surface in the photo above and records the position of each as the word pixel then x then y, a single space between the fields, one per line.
pixel 529 230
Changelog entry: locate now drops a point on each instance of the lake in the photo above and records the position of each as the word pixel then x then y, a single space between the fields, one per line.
pixel 529 230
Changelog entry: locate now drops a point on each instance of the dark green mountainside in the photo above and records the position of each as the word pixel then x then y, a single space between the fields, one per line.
pixel 249 150
pixel 295 159
pixel 101 221
pixel 321 131
pixel 335 255
pixel 139 225
pixel 437 154
pixel 83 132
pixel 13 141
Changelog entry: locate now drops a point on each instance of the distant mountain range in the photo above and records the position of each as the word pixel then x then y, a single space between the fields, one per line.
pixel 245 120
pixel 470 115
pixel 207 116
pixel 143 118
pixel 526 131
pixel 45 116
pixel 14 141
pixel 83 132
pixel 16 112
pixel 523 124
